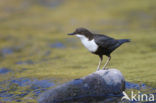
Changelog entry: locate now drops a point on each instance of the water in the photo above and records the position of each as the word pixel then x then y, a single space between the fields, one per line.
pixel 4 70
pixel 25 62
pixel 139 90
pixel 130 85
pixel 51 4
pixel 57 45
pixel 10 50
pixel 16 89
pixel 7 51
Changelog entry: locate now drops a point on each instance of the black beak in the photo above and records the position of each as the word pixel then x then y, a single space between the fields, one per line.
pixel 71 34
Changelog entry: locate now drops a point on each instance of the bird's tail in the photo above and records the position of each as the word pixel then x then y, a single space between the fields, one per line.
pixel 121 41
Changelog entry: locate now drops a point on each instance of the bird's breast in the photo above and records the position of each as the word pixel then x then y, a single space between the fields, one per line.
pixel 90 44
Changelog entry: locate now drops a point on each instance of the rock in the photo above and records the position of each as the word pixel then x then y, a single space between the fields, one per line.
pixel 102 85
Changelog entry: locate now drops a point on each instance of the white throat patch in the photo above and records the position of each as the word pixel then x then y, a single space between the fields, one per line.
pixel 89 44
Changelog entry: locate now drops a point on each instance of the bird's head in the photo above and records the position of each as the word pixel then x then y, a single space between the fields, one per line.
pixel 81 32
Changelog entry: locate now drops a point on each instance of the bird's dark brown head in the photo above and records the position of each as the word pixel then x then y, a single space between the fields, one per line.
pixel 82 31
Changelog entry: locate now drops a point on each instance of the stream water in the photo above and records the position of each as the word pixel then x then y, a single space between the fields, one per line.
pixel 18 88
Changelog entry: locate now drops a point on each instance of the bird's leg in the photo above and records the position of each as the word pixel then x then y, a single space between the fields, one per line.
pixel 109 58
pixel 109 64
pixel 98 68
pixel 101 58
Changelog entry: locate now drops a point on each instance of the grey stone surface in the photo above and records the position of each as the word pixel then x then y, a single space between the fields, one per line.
pixel 103 85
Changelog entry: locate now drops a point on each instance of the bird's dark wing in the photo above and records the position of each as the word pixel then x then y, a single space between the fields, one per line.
pixel 106 42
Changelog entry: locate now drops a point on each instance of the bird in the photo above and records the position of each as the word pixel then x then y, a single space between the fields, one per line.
pixel 98 44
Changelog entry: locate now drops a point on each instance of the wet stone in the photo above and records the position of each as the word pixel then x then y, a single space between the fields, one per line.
pixel 86 89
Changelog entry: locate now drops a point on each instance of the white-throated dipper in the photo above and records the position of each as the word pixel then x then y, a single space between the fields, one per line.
pixel 98 44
